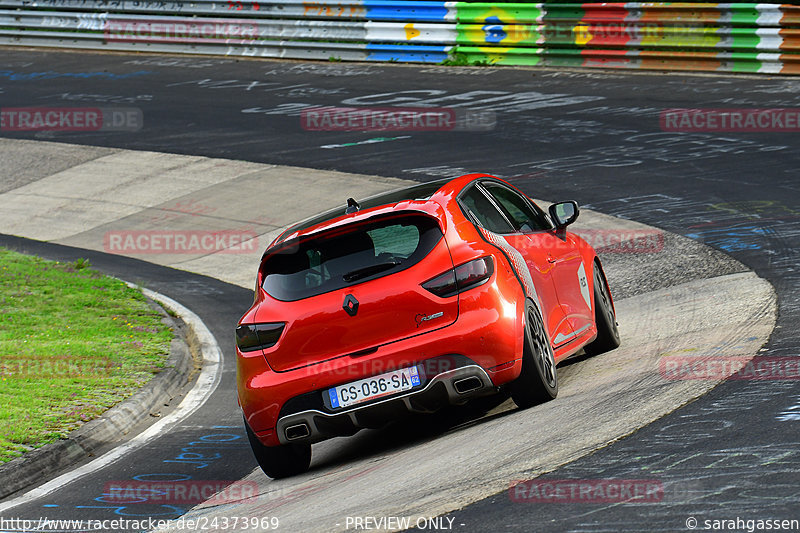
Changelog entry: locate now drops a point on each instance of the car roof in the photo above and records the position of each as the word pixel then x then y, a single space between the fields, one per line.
pixel 421 191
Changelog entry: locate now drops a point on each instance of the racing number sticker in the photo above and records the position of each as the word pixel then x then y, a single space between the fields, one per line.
pixel 584 284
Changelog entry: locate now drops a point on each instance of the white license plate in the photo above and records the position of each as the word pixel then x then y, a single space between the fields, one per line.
pixel 374 387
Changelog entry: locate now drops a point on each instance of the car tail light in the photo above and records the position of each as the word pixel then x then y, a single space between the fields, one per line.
pixel 251 337
pixel 461 278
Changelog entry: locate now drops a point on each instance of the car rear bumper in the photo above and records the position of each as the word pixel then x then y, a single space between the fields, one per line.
pixel 450 387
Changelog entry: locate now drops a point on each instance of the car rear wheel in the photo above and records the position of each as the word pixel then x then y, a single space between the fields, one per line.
pixel 538 381
pixel 604 316
pixel 280 461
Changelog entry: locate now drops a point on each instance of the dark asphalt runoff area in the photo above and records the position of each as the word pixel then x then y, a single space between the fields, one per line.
pixel 601 138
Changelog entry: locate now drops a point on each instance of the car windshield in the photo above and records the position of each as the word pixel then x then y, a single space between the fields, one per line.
pixel 342 257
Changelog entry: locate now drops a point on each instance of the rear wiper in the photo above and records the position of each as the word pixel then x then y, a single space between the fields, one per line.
pixel 369 270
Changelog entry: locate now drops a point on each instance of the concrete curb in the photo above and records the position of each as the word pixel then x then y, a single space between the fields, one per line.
pixel 114 424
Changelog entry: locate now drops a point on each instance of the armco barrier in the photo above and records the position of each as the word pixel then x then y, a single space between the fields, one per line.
pixel 744 37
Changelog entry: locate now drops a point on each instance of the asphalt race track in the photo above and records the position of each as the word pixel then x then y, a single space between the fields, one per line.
pixel 590 136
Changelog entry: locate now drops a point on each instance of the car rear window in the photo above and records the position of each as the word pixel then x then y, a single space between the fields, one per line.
pixel 342 257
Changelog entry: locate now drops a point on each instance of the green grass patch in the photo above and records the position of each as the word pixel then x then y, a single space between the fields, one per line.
pixel 72 344
pixel 460 59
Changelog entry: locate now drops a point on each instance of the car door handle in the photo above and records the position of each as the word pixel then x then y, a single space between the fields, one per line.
pixel 551 259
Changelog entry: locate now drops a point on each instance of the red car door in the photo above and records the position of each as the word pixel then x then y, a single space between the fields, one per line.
pixel 569 275
pixel 535 244
pixel 557 257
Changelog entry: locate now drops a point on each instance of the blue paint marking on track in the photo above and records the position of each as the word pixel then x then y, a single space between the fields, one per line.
pixel 732 239
pixel 145 498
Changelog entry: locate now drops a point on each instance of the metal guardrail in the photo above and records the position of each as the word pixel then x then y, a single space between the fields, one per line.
pixel 741 37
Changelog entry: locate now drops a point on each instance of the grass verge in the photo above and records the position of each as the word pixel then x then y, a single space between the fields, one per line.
pixel 73 343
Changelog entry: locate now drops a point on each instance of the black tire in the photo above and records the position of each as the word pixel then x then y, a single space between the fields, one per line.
pixel 538 381
pixel 604 316
pixel 280 461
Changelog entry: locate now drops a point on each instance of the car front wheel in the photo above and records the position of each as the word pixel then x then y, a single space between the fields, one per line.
pixel 604 316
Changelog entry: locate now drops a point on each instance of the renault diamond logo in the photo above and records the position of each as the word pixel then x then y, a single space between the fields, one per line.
pixel 350 305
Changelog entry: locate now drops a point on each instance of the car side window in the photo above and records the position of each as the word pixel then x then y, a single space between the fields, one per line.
pixel 485 212
pixel 523 215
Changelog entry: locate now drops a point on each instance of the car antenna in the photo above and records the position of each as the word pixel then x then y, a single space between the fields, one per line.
pixel 352 206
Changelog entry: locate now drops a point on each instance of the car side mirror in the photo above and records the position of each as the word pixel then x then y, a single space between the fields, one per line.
pixel 564 213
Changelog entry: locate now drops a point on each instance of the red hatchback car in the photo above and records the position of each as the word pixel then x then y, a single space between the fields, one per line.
pixel 409 301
